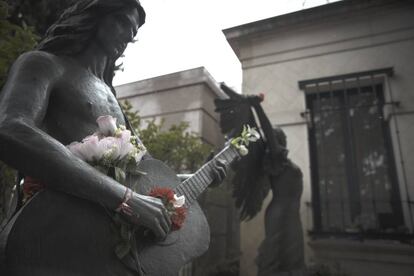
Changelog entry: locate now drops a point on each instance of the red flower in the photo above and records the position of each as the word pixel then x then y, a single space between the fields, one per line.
pixel 31 186
pixel 177 214
pixel 166 194
pixel 262 97
pixel 178 218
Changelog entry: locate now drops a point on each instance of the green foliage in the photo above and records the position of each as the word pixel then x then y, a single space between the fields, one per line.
pixel 14 41
pixel 7 180
pixel 133 117
pixel 183 151
pixel 40 14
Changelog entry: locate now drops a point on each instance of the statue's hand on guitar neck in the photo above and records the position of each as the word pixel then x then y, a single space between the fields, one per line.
pixel 219 172
pixel 219 169
pixel 149 212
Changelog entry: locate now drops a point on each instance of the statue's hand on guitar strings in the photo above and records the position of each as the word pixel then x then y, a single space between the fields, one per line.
pixel 151 213
pixel 219 172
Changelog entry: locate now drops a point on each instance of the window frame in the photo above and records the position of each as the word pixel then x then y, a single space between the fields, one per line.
pixel 348 81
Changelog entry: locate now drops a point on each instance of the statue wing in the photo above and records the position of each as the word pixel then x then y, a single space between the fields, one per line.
pixel 250 184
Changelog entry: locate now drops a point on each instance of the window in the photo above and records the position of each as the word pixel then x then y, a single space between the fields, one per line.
pixel 354 187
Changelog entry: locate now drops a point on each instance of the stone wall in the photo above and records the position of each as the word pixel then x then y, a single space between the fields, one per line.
pixel 335 39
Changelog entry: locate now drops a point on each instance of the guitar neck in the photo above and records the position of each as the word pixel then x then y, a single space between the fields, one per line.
pixel 192 187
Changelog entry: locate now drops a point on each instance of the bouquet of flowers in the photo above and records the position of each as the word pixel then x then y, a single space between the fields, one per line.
pixel 116 153
pixel 112 149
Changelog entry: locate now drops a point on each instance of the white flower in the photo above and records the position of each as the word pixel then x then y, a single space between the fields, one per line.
pixel 179 201
pixel 125 145
pixel 76 149
pixel 88 150
pixel 243 150
pixel 138 156
pixel 253 135
pixel 107 125
pixel 109 147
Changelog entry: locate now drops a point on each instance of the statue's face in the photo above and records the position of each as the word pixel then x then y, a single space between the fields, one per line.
pixel 117 30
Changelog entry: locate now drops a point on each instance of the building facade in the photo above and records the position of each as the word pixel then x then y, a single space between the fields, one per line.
pixel 338 80
pixel 185 96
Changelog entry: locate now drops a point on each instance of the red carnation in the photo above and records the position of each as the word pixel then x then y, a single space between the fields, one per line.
pixel 31 186
pixel 177 214
pixel 178 218
pixel 262 97
pixel 165 194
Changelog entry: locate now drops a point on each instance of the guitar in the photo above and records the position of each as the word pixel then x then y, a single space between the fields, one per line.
pixel 53 225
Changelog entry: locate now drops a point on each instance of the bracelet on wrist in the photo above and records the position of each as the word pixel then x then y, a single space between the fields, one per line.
pixel 124 207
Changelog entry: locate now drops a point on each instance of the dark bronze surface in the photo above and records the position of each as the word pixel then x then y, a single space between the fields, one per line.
pixel 53 97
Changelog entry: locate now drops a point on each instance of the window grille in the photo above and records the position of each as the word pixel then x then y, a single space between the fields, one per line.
pixel 354 182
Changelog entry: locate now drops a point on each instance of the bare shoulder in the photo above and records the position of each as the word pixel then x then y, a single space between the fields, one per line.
pixel 38 63
pixel 37 56
pixel 29 84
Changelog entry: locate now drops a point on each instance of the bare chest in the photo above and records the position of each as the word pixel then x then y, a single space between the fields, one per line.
pixel 76 103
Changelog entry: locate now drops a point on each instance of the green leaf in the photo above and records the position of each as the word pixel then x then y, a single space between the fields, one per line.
pixel 120 175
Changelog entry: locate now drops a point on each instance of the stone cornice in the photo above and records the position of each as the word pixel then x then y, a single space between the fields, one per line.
pixel 167 82
pixel 303 18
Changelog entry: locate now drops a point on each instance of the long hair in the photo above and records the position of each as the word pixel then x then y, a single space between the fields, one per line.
pixel 78 25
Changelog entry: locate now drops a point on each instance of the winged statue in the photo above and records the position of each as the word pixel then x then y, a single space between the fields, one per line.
pixel 266 167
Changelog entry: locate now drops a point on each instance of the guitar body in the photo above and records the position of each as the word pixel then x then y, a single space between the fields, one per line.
pixel 58 234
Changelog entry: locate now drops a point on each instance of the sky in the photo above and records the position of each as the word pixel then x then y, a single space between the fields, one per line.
pixel 184 34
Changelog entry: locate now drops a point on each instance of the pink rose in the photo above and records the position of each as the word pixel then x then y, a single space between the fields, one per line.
pixel 87 150
pixel 107 125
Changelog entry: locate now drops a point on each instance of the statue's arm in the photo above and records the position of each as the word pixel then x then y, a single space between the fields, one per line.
pixel 23 145
pixel 277 151
pixel 23 105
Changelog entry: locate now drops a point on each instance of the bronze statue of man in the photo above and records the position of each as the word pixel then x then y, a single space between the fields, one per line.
pixel 53 97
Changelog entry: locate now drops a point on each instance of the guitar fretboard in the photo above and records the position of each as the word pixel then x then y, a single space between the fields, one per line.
pixel 192 187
